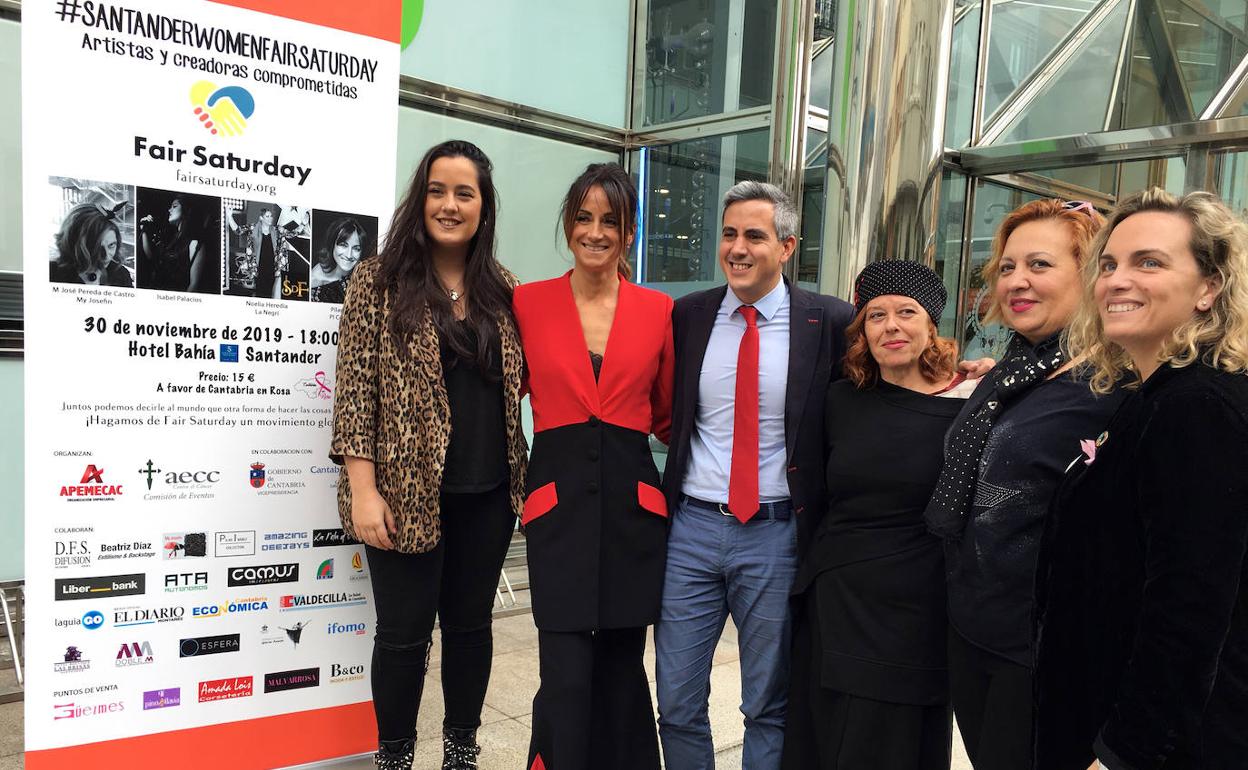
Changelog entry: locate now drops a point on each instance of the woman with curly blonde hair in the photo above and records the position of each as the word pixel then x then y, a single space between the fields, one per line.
pixel 1143 643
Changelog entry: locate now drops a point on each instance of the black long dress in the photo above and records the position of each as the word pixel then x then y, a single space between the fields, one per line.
pixel 1142 653
pixel 869 677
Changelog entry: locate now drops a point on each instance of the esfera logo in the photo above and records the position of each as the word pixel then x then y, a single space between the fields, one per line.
pixel 222 111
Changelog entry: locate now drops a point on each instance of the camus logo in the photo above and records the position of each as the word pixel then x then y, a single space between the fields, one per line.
pixel 92 487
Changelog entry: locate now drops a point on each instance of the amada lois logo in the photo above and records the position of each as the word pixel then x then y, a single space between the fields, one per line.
pixel 223 111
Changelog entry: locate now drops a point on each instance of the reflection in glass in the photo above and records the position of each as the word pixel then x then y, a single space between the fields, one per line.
pixel 962 62
pixel 707 58
pixel 685 183
pixel 1077 98
pixel 949 225
pixel 1233 180
pixel 992 203
pixel 1167 173
pixel 821 74
pixel 814 195
pixel 1204 51
pixel 1024 33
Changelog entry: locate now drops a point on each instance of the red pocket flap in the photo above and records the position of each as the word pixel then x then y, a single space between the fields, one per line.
pixel 651 499
pixel 539 503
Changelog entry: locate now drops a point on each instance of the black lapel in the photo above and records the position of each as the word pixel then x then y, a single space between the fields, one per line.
pixel 700 322
pixel 805 330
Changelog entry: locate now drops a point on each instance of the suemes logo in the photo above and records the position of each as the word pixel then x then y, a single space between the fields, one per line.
pixel 73 710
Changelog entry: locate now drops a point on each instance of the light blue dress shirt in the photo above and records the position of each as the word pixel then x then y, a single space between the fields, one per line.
pixel 710 447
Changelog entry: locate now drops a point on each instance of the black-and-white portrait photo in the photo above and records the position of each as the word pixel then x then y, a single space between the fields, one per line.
pixel 340 241
pixel 179 239
pixel 268 250
pixel 92 233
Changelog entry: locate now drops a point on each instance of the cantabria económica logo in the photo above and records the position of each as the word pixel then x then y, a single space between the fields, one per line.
pixel 223 111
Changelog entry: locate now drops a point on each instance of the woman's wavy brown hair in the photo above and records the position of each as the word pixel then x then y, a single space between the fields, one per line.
pixel 1082 223
pixel 1218 337
pixel 936 363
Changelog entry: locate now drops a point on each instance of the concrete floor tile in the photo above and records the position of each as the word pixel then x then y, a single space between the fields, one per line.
pixel 513 683
pixel 12 724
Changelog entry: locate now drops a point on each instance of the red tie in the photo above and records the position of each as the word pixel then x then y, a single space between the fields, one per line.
pixel 743 477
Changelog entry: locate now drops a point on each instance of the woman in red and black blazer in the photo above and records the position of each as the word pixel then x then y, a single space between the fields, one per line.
pixel 599 355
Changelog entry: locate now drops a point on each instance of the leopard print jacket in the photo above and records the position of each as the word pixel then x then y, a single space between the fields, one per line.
pixel 394 411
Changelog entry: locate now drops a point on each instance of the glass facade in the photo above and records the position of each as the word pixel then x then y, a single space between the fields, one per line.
pixel 10 146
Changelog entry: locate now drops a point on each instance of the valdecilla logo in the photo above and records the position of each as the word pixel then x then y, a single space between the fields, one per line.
pixel 263 575
pixel 222 111
pixel 99 587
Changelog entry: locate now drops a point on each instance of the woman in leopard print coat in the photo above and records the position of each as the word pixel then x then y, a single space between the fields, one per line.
pixel 427 422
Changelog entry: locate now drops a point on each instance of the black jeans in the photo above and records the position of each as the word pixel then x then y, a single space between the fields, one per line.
pixel 992 699
pixel 456 581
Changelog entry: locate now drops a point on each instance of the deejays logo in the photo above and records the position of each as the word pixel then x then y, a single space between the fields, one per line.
pixel 159 699
pixel 285 541
pixel 321 601
pixel 263 574
pixel 326 570
pixel 292 680
pixel 326 538
pixel 224 689
pixel 186 581
pixel 208 645
pixel 253 604
pixel 223 111
pixel 92 487
pixel 99 587
pixel 180 545
pixel 134 654
pixel 236 543
pixel 72 661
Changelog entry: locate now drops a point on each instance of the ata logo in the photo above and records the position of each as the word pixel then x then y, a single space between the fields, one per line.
pixel 223 111
pixel 257 475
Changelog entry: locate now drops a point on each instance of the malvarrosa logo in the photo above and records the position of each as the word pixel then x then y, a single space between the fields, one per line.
pixel 292 680
pixel 224 689
pixel 99 587
pixel 263 574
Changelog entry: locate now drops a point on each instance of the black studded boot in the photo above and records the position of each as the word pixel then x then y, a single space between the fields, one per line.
pixel 459 749
pixel 395 755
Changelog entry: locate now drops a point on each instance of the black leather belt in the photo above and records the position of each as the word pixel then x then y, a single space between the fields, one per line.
pixel 780 510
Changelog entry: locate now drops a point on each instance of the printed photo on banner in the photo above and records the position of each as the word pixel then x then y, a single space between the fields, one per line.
pixel 92 232
pixel 268 249
pixel 179 241
pixel 342 240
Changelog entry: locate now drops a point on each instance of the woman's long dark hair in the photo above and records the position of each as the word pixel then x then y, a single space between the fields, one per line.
pixel 406 265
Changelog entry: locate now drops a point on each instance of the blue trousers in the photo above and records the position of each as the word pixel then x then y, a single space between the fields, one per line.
pixel 715 566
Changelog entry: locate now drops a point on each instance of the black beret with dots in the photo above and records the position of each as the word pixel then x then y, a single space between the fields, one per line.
pixel 908 279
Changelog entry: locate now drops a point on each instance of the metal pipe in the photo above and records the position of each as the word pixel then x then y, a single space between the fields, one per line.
pixel 981 71
pixel 8 627
pixel 885 134
pixel 795 33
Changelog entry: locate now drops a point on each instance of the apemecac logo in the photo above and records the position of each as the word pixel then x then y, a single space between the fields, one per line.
pixel 297 679
pixel 100 587
pixel 208 645
pixel 263 574
pixel 91 487
pixel 134 654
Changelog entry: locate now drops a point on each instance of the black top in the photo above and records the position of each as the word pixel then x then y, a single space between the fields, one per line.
pixel 595 360
pixel 334 291
pixel 266 268
pixel 876 571
pixel 1143 644
pixel 991 568
pixel 476 460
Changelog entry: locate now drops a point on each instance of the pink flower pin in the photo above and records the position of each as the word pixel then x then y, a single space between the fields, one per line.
pixel 1089 448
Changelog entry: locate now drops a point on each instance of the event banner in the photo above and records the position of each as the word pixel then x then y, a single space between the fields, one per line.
pixel 200 180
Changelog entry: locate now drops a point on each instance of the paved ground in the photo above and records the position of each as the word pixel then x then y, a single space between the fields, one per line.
pixel 504 734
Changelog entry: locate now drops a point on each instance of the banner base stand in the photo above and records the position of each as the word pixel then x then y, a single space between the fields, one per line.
pixel 285 740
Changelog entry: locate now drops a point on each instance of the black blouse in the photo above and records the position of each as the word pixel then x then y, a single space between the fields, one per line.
pixel 1143 633
pixel 876 571
pixel 476 460
pixel 991 568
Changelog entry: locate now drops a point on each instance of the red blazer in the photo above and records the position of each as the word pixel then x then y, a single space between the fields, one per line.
pixel 635 387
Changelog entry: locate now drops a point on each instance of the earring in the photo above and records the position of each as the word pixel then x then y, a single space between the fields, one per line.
pixel 1203 304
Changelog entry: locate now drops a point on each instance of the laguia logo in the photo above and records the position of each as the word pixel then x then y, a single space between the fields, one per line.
pixel 93 620
pixel 134 654
pixel 208 645
pixel 257 475
pixel 326 570
pixel 222 111
pixel 346 628
pixel 91 487
pixel 98 587
pixel 263 575
pixel 223 689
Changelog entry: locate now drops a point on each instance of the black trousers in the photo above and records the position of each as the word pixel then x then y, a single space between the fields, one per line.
pixel 831 730
pixel 456 582
pixel 592 710
pixel 992 699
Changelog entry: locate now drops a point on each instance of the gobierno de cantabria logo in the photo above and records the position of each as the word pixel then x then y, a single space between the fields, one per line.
pixel 222 111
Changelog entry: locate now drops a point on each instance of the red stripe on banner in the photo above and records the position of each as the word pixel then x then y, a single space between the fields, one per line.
pixel 278 741
pixel 379 18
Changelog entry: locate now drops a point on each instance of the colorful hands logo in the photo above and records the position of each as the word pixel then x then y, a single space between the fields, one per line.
pixel 222 110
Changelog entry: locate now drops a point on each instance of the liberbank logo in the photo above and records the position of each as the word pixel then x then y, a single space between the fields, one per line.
pixel 263 574
pixel 99 587
pixel 91 487
pixel 324 601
